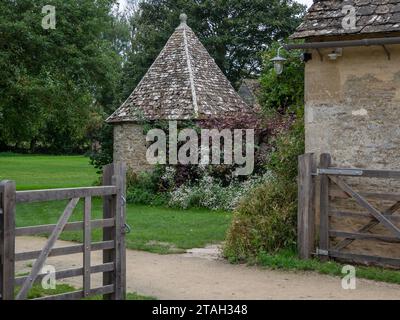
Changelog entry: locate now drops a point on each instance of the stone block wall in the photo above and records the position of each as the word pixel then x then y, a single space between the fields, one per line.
pixel 353 107
pixel 130 146
pixel 352 112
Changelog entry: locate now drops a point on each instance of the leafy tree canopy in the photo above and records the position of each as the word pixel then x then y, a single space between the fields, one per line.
pixel 53 81
pixel 285 92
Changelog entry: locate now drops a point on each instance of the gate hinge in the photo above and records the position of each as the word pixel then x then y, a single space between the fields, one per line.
pixel 321 252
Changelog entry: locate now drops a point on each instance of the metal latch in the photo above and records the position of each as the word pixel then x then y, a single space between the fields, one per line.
pixel 340 172
pixel 127 228
pixel 321 252
pixel 123 200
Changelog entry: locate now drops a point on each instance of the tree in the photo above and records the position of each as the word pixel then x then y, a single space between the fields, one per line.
pixel 284 92
pixel 53 80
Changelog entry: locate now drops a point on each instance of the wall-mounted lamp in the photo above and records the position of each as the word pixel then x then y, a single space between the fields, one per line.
pixel 278 62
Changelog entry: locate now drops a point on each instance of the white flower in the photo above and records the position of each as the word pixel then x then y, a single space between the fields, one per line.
pixel 209 193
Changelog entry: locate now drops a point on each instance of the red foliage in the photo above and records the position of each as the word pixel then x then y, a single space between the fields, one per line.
pixel 265 129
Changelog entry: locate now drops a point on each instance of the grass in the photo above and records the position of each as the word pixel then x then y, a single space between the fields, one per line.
pixel 287 260
pixel 154 229
pixel 129 296
pixel 135 296
pixel 47 172
pixel 37 291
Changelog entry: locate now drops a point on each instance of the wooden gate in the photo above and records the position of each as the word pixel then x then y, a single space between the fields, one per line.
pixel 319 186
pixel 113 244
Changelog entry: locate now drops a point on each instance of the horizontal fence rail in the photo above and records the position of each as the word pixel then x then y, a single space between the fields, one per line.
pixel 337 193
pixel 63 194
pixel 63 251
pixel 112 246
pixel 72 226
pixel 360 215
pixel 353 172
pixel 69 273
pixel 319 187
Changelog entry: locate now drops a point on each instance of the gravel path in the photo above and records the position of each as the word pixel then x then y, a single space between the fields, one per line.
pixel 202 274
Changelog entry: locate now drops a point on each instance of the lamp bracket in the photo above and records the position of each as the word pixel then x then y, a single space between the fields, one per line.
pixel 320 54
pixel 387 52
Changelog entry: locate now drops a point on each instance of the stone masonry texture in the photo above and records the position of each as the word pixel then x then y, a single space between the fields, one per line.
pixel 352 112
pixel 130 146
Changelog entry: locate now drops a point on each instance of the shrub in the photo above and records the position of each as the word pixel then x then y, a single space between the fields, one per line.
pixel 288 146
pixel 103 155
pixel 265 220
pixel 210 193
pixel 148 187
pixel 145 197
pixel 212 186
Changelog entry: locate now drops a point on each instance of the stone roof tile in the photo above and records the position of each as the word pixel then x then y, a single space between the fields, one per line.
pixel 324 18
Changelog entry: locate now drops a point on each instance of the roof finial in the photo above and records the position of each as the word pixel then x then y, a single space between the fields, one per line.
pixel 183 17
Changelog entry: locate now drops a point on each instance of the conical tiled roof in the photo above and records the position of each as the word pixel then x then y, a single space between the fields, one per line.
pixel 183 83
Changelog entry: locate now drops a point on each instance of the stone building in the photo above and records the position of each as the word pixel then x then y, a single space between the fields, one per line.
pixel 352 92
pixel 184 83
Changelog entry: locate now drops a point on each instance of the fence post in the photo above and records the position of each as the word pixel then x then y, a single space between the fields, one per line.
pixel 305 211
pixel 120 219
pixel 325 162
pixel 108 233
pixel 7 239
pixel 114 207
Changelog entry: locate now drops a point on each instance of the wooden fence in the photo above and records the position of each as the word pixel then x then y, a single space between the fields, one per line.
pixel 318 187
pixel 113 244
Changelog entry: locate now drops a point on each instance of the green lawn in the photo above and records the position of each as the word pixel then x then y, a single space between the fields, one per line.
pixel 38 292
pixel 155 229
pixel 46 172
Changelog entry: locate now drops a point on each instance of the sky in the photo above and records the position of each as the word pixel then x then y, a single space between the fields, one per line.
pixel 306 2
